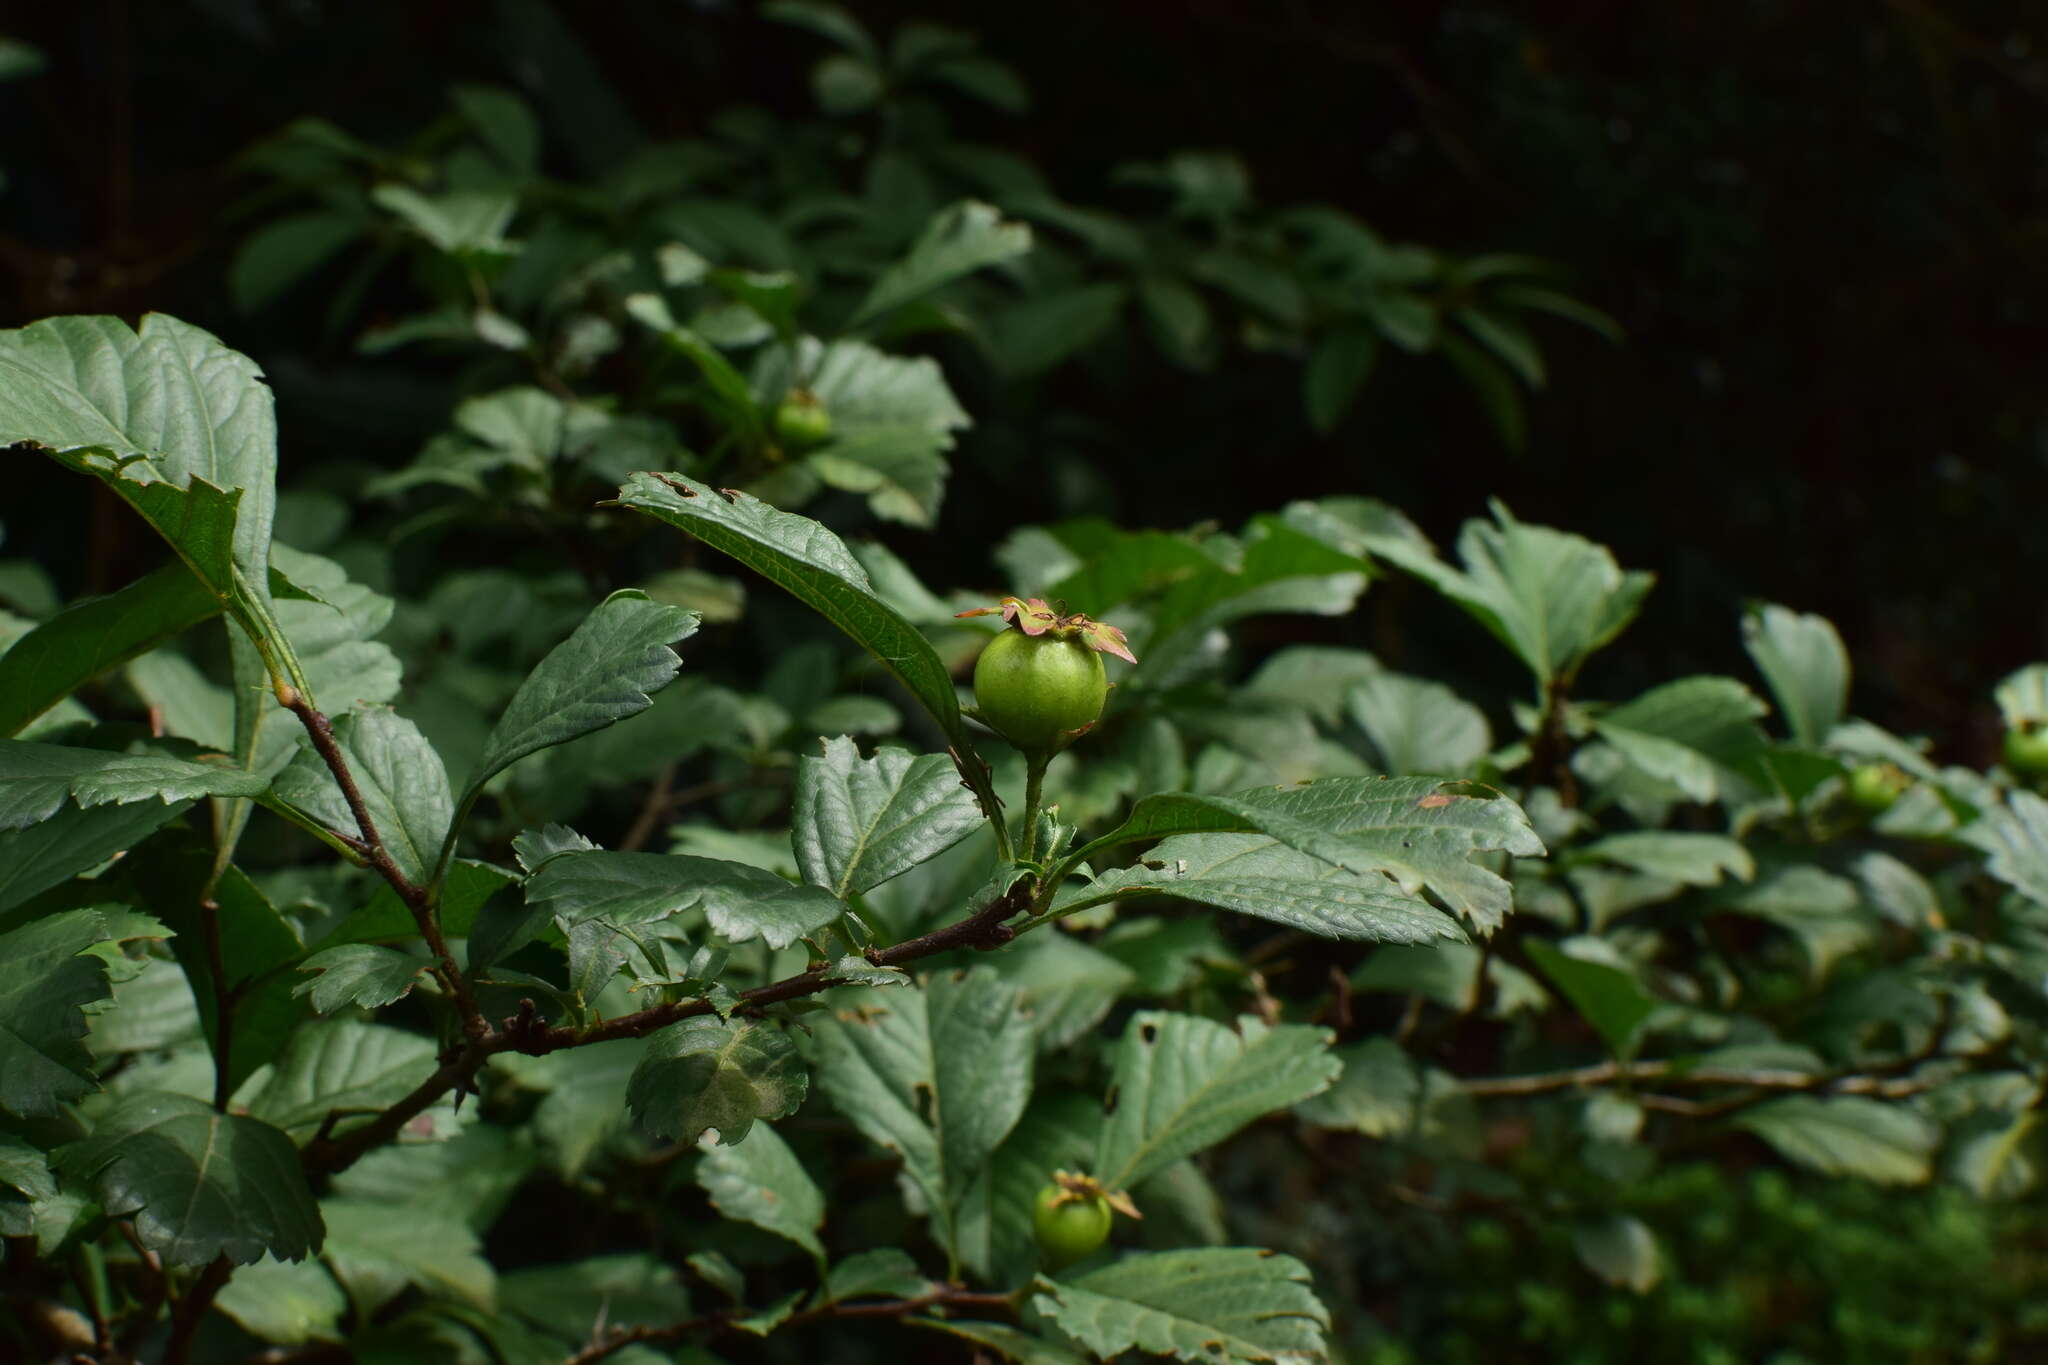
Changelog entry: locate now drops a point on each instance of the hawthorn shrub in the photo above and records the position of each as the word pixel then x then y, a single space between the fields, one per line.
pixel 323 1028
pixel 547 899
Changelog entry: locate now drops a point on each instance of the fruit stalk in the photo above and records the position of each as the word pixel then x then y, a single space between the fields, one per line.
pixel 1034 796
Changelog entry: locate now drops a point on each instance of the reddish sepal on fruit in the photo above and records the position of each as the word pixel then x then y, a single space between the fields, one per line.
pixel 1034 617
pixel 1042 685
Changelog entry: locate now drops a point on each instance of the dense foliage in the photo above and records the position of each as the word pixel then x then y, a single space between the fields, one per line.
pixel 551 898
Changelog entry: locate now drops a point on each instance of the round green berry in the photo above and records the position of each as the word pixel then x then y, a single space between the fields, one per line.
pixel 801 420
pixel 1038 691
pixel 1070 1224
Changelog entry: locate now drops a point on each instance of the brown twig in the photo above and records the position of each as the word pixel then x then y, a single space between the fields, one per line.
pixel 223 1001
pixel 158 1286
pixel 1885 1083
pixel 1550 748
pixel 948 1295
pixel 652 810
pixel 191 1310
pixel 416 898
pixel 102 1334
pixel 524 1033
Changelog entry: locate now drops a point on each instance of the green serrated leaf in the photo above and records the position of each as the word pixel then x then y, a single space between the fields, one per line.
pixel 1419 727
pixel 1688 858
pixel 731 396
pixel 1183 1084
pixel 1377 1093
pixel 885 1272
pixel 377 1250
pixel 470 1177
pixel 92 636
pixel 1254 875
pixel 939 1075
pixel 1848 1135
pixel 463 222
pixel 707 1073
pixel 1695 733
pixel 960 239
pixel 2015 836
pixel 599 676
pixel 1415 830
pixel 901 470
pixel 92 390
pixel 35 779
pixel 740 903
pixel 72 841
pixel 344 1065
pixel 400 778
pixel 1610 999
pixel 866 389
pixel 575 1300
pixel 359 974
pixel 173 873
pixel 1551 597
pixel 1211 1305
pixel 197 1183
pixel 760 1181
pixel 286 1303
pixel 47 978
pixel 1068 986
pixel 586 1096
pixel 815 567
pixel 1803 660
pixel 859 822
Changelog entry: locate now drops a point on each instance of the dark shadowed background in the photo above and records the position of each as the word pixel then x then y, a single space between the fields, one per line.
pixel 1821 225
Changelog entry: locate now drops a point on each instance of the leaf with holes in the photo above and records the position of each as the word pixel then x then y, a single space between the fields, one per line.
pixel 1254 875
pixel 938 1074
pixel 1417 831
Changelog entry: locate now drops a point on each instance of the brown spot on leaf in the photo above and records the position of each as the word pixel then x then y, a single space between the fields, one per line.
pixel 1434 801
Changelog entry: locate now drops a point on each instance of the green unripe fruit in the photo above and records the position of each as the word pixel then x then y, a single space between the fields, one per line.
pixel 801 421
pixel 2026 749
pixel 1036 690
pixel 1070 1225
pixel 1875 786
